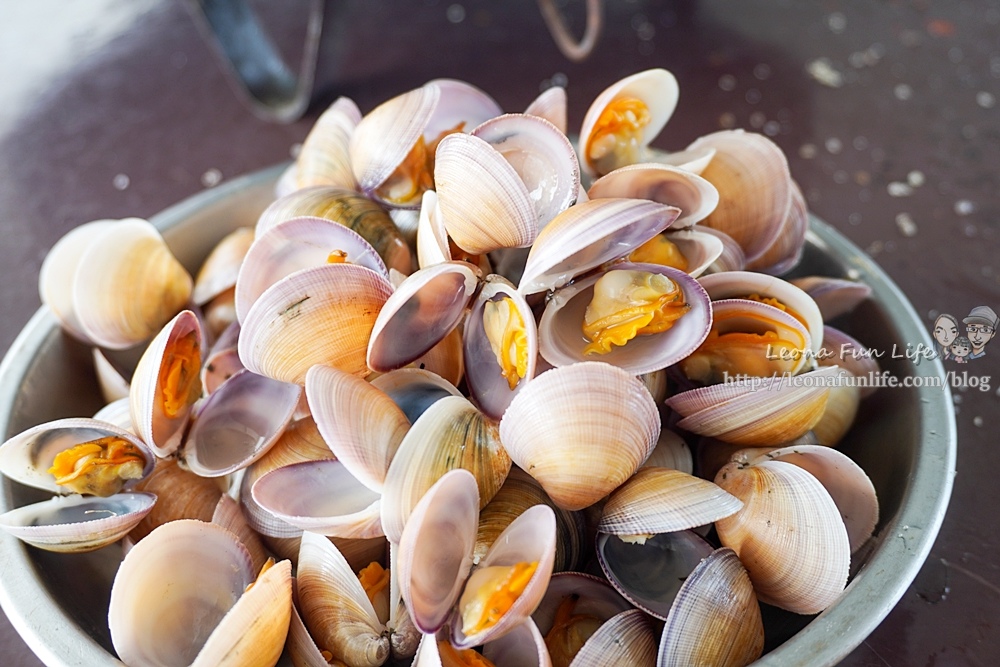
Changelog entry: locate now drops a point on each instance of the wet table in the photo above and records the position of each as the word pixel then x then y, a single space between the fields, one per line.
pixel 887 112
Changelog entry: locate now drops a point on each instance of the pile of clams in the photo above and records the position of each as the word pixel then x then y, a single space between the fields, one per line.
pixel 443 402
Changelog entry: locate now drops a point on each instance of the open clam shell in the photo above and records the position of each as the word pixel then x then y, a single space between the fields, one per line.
pixel 512 336
pixel 237 424
pixel 740 284
pixel 560 330
pixel 76 524
pixel 625 118
pixel 789 534
pixel 421 312
pixel 322 315
pixel 586 235
pixel 485 204
pixel 580 431
pixel 152 600
pixel 626 639
pixel 167 383
pixel 692 194
pixel 530 538
pixel 541 155
pixel 295 244
pixel 28 456
pixel 551 105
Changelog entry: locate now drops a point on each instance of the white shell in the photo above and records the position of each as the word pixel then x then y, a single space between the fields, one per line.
pixel 692 194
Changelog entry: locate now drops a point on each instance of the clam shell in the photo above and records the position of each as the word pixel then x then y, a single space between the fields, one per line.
pixel 551 105
pixel 594 597
pixel 541 155
pixel 295 244
pixel 57 274
pixel 580 431
pixel 127 285
pixel 325 158
pixel 789 535
pixel 322 315
pixel 743 413
pixel 414 389
pixel 521 646
pixel 755 188
pixel 421 312
pixel 229 515
pixel 560 330
pixel 848 353
pixel 671 452
pixel 149 393
pixel 701 249
pixel 782 255
pixel 76 524
pixel 845 481
pixel 657 88
pixel 484 203
pixel 327 500
pixel 833 296
pixel 692 194
pixel 586 235
pixel 111 379
pixel 732 257
pixel 715 619
pixel 117 413
pixel 359 422
pixel 461 103
pixel 660 500
pixel 432 237
pixel 385 135
pixel 237 424
pixel 180 493
pixel 27 456
pixel 435 549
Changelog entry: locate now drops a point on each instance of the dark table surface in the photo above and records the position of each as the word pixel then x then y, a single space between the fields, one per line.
pixel 886 110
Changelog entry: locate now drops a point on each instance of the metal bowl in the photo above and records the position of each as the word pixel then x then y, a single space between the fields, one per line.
pixel 904 438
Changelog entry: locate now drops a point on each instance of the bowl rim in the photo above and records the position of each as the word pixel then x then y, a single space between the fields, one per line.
pixel 870 596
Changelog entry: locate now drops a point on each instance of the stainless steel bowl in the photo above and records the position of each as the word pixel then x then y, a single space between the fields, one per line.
pixel 903 438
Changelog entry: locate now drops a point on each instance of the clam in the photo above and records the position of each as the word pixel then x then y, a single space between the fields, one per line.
pixel 498 594
pixel 322 315
pixel 347 208
pixel 150 613
pixel 219 270
pixel 692 250
pixel 550 105
pixel 580 431
pixel 847 352
pixel 625 118
pixel 692 194
pixel 324 158
pixel 833 296
pixel 114 283
pixel 295 244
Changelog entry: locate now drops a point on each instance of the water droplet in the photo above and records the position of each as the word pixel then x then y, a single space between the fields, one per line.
pixel 294 150
pixel 859 143
pixel 898 189
pixel 727 82
pixel 120 181
pixel 977 421
pixel 902 92
pixel 646 48
pixel 854 219
pixel 932 314
pixel 772 128
pixel 762 71
pixel 964 207
pixel 915 178
pixel 455 13
pixel 646 31
pixel 970 230
pixel 837 22
pixel 985 99
pixel 560 79
pixel 956 399
pixel 823 71
pixel 840 177
pixel 727 121
pixel 907 227
pixel 211 178
pixel 757 119
pixel 753 96
pixel 807 151
pixel 833 145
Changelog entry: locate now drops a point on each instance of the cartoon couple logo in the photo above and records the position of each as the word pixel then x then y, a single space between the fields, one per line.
pixel 980 326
